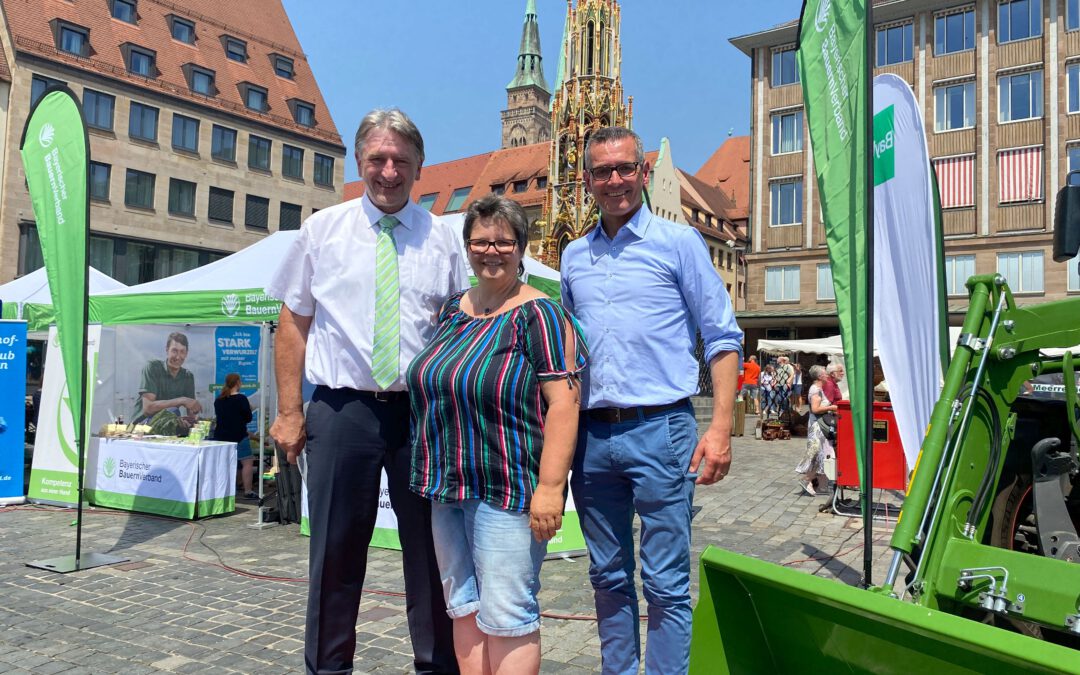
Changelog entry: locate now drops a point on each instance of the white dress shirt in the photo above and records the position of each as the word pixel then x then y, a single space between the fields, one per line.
pixel 329 274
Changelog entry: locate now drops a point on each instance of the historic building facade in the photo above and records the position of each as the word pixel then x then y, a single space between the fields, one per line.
pixel 998 82
pixel 207 128
pixel 526 119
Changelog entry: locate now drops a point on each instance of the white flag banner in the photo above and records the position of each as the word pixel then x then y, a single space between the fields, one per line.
pixel 908 317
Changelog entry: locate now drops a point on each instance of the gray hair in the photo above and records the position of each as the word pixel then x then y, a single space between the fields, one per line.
pixel 816 373
pixel 833 367
pixel 394 120
pixel 610 135
pixel 500 208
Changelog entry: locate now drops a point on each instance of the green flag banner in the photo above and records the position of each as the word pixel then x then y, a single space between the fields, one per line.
pixel 832 63
pixel 55 153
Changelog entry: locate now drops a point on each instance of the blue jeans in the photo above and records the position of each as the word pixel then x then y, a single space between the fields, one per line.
pixel 490 565
pixel 640 466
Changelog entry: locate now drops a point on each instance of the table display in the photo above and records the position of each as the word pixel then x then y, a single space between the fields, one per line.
pixel 169 477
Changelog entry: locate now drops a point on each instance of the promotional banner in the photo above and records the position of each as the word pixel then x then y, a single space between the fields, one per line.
pixel 12 410
pixel 832 60
pixel 56 153
pixel 54 472
pixel 237 349
pixel 906 264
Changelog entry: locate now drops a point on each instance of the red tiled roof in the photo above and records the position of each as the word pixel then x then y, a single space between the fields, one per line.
pixel 729 170
pixel 262 24
pixel 5 71
pixel 446 177
pixel 510 165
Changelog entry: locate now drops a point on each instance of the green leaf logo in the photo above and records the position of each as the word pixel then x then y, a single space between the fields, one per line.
pixel 109 468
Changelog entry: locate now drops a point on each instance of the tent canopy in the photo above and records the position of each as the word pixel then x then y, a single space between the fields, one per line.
pixel 34 288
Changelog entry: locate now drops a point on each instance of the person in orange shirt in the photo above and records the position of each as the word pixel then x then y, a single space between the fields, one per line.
pixel 750 389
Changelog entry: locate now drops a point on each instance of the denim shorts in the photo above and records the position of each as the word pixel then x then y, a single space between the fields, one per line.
pixel 243 449
pixel 489 563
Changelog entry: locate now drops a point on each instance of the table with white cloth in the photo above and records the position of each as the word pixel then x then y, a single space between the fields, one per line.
pixel 168 478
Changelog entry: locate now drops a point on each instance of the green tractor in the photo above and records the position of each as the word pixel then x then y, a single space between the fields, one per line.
pixel 985 569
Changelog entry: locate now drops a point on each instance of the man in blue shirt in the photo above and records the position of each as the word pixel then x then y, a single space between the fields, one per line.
pixel 642 288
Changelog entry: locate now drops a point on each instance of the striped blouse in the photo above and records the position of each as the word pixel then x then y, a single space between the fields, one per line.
pixel 477 409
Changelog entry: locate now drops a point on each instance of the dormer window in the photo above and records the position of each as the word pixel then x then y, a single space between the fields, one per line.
pixel 283 66
pixel 72 39
pixel 254 97
pixel 124 10
pixel 140 61
pixel 236 49
pixel 303 112
pixel 182 29
pixel 200 80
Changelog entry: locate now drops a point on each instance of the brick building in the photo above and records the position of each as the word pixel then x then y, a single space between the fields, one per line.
pixel 207 128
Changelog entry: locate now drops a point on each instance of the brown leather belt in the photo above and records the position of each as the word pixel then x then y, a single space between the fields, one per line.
pixel 617 415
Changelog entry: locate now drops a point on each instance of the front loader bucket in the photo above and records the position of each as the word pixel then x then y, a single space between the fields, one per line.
pixel 756 617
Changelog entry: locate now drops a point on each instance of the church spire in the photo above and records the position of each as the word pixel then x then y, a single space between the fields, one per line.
pixel 530 69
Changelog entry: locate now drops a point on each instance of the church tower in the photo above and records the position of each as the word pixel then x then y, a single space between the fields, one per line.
pixel 526 119
pixel 588 96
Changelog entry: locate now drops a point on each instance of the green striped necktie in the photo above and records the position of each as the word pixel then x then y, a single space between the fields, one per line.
pixel 385 354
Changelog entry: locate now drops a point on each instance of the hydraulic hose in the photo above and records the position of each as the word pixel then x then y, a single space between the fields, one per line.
pixel 991 466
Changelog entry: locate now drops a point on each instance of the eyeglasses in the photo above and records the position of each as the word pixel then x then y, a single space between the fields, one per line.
pixel 501 245
pixel 626 170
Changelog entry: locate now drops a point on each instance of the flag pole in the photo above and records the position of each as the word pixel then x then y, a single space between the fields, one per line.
pixel 868 393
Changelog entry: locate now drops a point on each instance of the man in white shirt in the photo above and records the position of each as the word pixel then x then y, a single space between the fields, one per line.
pixel 361 288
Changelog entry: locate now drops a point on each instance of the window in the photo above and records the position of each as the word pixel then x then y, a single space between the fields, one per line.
pixel 236 49
pixel 427 201
pixel 958 269
pixel 139 189
pixel 782 283
pixel 786 202
pixel 324 170
pixel 124 10
pixel 825 290
pixel 956 181
pixel 292 161
pixel 74 39
pixel 784 68
pixel 258 153
pixel 220 206
pixel 498 189
pixel 185 133
pixel 38 85
pixel 257 212
pixel 1072 14
pixel 521 186
pixel 954 32
pixel 1023 271
pixel 202 81
pixel 787 132
pixel 290 217
pixel 541 182
pixel 1019 20
pixel 98 108
pixel 182 30
pixel 142 123
pixel 304 114
pixel 894 45
pixel 99 181
pixel 223 143
pixel 1074 273
pixel 283 66
pixel 181 197
pixel 954 106
pixel 1072 75
pixel 1020 96
pixel 457 199
pixel 141 62
pixel 1073 151
pixel 255 98
pixel 1020 175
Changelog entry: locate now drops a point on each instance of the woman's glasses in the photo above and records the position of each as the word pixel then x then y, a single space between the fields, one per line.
pixel 501 245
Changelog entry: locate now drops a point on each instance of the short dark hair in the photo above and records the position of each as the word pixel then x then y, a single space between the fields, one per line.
pixel 177 337
pixel 501 208
pixel 608 135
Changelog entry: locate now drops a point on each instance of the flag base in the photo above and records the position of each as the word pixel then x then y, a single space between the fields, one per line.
pixel 68 563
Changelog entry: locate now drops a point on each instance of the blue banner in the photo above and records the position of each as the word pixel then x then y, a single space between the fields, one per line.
pixel 12 409
pixel 237 350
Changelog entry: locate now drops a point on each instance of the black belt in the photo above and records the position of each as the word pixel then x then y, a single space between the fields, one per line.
pixel 381 396
pixel 616 415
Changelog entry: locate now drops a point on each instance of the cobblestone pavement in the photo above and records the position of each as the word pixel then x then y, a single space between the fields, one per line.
pixel 196 597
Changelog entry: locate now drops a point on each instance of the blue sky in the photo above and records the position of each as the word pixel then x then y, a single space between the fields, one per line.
pixel 447 64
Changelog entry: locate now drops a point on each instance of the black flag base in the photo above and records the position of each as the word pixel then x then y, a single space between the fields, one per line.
pixel 69 563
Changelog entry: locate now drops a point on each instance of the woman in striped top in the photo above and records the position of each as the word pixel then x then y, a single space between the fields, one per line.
pixel 495 399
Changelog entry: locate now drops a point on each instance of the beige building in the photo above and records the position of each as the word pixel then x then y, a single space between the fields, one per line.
pixel 999 86
pixel 207 128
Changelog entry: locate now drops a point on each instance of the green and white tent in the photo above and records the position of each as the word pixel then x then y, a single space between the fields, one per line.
pixel 30 293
